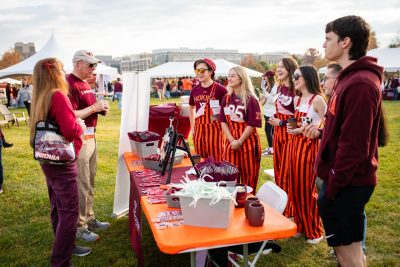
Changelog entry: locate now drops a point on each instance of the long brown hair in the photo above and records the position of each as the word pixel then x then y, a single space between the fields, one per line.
pixel 290 65
pixel 48 77
pixel 270 83
pixel 383 133
pixel 311 80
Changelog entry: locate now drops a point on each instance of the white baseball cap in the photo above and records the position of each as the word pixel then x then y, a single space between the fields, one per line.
pixel 84 55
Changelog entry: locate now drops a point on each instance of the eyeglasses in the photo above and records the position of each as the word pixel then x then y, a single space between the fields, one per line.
pixel 91 65
pixel 326 78
pixel 201 71
pixel 296 76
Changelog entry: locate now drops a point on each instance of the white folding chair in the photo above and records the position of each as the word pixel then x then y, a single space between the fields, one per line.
pixel 276 198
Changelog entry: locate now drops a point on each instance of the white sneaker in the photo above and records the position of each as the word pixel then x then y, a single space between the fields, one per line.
pixel 86 235
pixel 98 225
pixel 315 240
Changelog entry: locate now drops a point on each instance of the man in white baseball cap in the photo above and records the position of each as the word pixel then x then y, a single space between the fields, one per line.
pixel 86 56
pixel 86 107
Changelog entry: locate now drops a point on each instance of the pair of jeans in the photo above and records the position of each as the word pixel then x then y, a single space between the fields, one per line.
pixel 1 164
pixel 395 93
pixel 269 131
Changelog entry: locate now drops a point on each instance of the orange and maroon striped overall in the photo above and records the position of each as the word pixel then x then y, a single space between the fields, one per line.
pixel 208 136
pixel 248 157
pixel 303 152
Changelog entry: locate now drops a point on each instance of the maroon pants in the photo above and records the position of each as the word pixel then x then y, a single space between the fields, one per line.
pixel 64 203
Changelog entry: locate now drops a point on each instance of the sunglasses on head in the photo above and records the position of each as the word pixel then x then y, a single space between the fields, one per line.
pixel 201 71
pixel 296 76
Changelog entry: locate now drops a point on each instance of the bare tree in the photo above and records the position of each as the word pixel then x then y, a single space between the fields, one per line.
pixel 310 56
pixel 373 42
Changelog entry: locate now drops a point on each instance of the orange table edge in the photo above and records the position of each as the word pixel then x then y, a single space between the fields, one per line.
pixel 184 238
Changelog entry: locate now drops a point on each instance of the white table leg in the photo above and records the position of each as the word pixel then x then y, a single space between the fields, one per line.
pixel 193 259
pixel 245 255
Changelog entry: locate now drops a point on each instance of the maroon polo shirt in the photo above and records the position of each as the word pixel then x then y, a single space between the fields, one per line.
pixel 82 96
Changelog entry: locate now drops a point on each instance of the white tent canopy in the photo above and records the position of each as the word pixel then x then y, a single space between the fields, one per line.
pixel 389 58
pixel 51 49
pixel 10 81
pixel 181 69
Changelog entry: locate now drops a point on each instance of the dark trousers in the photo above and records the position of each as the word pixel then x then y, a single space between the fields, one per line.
pixel 269 131
pixel 28 107
pixel 64 203
pixel 1 164
pixel 8 100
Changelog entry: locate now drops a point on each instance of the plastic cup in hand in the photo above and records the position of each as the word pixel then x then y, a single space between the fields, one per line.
pixel 293 123
pixel 256 214
pixel 249 200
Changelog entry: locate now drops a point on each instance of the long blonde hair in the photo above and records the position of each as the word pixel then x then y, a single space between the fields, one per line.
pixel 48 77
pixel 246 88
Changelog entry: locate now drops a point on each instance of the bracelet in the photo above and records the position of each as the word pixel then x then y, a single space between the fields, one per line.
pixel 280 123
pixel 93 109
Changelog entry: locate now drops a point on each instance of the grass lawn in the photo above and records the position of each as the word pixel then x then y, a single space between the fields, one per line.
pixel 25 230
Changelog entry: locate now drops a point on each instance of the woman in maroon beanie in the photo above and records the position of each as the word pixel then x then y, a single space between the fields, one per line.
pixel 205 101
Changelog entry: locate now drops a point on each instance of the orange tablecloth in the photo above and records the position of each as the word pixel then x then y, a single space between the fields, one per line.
pixel 173 240
pixel 133 164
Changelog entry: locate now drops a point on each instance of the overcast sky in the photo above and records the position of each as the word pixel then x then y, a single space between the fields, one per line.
pixel 113 27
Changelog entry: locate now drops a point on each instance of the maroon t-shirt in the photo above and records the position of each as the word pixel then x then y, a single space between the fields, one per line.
pixel 200 94
pixel 118 87
pixel 160 85
pixel 82 96
pixel 251 114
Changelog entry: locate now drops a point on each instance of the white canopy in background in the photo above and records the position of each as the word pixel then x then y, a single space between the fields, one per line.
pixel 389 58
pixel 10 81
pixel 51 49
pixel 181 69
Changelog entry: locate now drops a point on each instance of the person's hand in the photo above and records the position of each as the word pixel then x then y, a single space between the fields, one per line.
pixel 274 121
pixel 311 131
pixel 99 106
pixel 81 123
pixel 235 145
pixel 293 131
pixel 263 99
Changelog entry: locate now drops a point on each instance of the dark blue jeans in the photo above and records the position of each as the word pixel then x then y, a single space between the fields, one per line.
pixel 1 164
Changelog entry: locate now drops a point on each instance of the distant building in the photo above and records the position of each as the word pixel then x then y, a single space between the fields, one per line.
pixel 137 62
pixel 161 56
pixel 110 61
pixel 25 49
pixel 272 57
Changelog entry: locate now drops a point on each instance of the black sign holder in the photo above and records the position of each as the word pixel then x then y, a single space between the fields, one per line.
pixel 171 147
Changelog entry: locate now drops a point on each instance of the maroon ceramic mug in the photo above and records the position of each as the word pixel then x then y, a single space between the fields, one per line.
pixel 240 195
pixel 256 214
pixel 247 203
